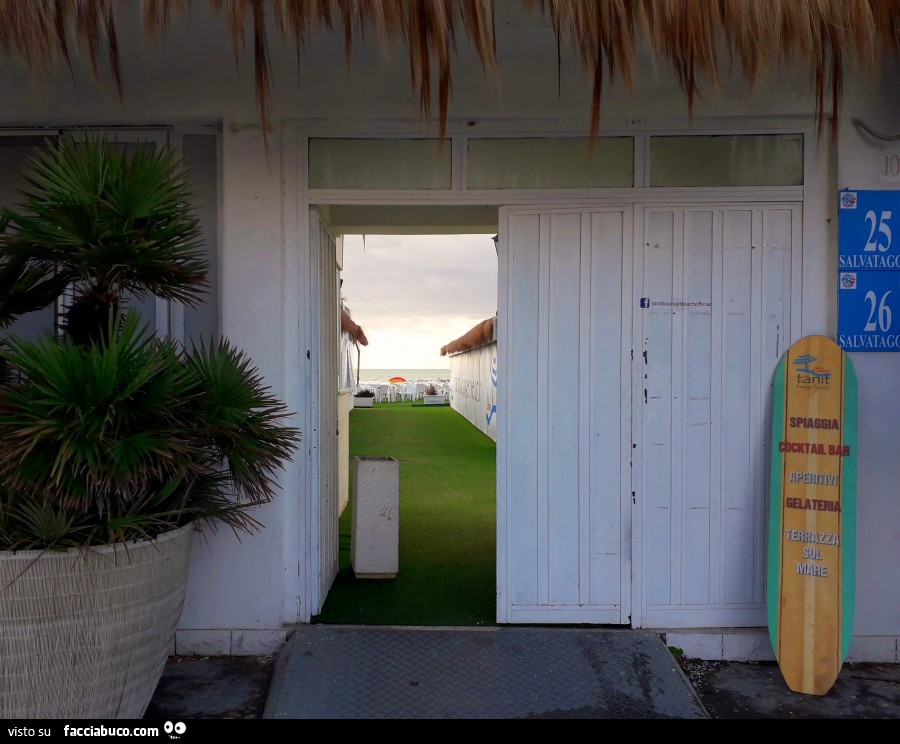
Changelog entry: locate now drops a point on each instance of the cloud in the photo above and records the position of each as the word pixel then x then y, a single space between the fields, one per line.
pixel 414 294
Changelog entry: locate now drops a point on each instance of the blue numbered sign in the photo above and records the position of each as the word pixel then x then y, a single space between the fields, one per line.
pixel 869 271
pixel 869 231
pixel 869 310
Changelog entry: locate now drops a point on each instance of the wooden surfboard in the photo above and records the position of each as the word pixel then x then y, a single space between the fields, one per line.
pixel 812 514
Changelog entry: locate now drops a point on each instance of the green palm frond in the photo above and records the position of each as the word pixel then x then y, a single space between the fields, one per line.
pixel 114 219
pixel 26 286
pixel 96 424
pixel 29 525
pixel 241 418
pixel 133 436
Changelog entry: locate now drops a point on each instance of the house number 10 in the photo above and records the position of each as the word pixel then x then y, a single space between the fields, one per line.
pixel 891 166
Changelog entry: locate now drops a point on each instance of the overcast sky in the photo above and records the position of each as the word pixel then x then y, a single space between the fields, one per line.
pixel 413 294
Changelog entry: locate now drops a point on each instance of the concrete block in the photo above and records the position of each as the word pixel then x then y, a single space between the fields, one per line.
pixel 747 646
pixel 880 649
pixel 375 526
pixel 696 645
pixel 253 642
pixel 213 642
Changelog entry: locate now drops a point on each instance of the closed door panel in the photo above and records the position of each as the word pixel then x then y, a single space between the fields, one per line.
pixel 715 317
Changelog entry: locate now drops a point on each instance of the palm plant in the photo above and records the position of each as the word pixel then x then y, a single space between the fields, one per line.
pixel 131 437
pixel 24 288
pixel 110 433
pixel 114 222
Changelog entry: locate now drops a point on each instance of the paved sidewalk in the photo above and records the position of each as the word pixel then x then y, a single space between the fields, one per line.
pixel 757 690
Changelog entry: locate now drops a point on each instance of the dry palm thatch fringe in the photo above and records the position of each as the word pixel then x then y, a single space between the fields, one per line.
pixel 428 27
pixel 479 335
pixel 352 329
pixel 691 35
pixel 757 35
pixel 38 31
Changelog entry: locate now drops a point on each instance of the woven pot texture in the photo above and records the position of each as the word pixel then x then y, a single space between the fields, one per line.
pixel 86 634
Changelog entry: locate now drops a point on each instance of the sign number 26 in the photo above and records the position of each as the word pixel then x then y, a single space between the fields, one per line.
pixel 884 312
pixel 878 228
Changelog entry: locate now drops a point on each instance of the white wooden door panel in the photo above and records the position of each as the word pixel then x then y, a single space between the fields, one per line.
pixel 323 268
pixel 559 374
pixel 561 491
pixel 697 413
pixel 718 283
pixel 657 455
pixel 609 454
pixel 520 375
pixel 736 485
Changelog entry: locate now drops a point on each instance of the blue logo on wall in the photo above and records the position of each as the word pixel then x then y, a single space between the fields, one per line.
pixel 803 363
pixel 493 409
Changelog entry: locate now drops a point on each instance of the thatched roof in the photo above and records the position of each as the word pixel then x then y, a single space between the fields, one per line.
pixel 824 35
pixel 479 335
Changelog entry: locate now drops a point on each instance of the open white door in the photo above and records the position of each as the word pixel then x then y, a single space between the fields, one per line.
pixel 323 441
pixel 564 406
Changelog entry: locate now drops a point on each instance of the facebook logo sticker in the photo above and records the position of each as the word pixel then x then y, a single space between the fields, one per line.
pixel 645 302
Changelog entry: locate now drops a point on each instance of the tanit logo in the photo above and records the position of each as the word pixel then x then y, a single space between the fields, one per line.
pixel 811 376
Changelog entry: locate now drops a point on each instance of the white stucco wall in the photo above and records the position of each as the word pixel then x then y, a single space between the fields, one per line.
pixel 861 166
pixel 473 387
pixel 241 591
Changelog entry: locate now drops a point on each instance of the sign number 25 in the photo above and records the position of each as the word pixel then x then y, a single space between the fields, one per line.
pixel 882 229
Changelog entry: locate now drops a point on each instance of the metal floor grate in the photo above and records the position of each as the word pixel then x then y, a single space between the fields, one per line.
pixel 337 672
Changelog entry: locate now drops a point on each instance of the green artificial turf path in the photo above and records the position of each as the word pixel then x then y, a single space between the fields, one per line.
pixel 447 552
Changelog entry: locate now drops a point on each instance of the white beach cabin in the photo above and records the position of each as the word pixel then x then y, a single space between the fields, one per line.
pixel 650 280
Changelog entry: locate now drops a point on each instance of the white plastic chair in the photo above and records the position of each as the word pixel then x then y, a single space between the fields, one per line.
pixel 420 390
pixel 411 391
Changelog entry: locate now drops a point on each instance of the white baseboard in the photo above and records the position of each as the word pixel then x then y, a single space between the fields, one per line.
pixel 225 642
pixel 753 644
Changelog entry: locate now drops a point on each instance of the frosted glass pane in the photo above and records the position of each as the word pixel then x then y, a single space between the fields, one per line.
pixel 545 163
pixel 727 160
pixel 379 164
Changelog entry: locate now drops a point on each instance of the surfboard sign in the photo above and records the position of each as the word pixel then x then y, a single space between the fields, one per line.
pixel 812 514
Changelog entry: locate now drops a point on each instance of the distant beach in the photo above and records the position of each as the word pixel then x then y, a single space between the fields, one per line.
pixel 373 375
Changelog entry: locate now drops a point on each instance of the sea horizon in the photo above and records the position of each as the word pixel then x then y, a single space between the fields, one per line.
pixel 373 375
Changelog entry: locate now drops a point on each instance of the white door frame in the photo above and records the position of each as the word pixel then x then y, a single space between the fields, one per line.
pixel 817 312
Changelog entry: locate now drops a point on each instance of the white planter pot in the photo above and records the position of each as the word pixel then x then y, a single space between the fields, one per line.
pixel 362 402
pixel 86 634
pixel 434 400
